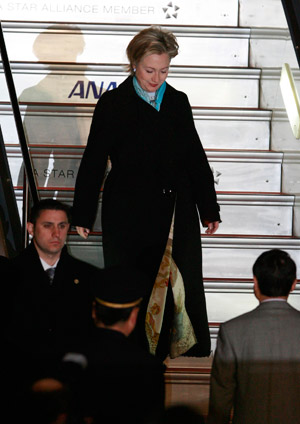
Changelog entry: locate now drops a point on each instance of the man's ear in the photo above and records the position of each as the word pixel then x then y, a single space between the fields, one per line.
pixel 94 311
pixel 256 288
pixel 30 228
pixel 132 319
pixel 293 285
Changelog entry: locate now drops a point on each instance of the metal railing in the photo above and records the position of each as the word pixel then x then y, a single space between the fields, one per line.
pixel 11 237
pixel 30 192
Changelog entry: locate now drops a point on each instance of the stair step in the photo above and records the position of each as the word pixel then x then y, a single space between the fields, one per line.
pixel 246 171
pixel 270 92
pixel 283 138
pixel 256 13
pixel 58 83
pixel 290 170
pixel 187 381
pixel 233 257
pixel 41 43
pixel 271 47
pixel 230 289
pixel 233 128
pixel 240 252
pixel 241 213
pixel 57 167
pixel 67 125
pixel 256 214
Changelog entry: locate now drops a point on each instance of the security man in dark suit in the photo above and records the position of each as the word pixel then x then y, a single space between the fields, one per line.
pixel 123 383
pixel 52 298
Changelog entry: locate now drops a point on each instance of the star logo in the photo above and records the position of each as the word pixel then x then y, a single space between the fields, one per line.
pixel 216 175
pixel 171 10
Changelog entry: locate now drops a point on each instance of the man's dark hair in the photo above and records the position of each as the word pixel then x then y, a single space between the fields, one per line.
pixel 275 271
pixel 110 316
pixel 48 204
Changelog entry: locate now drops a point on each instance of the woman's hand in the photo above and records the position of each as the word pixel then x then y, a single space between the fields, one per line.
pixel 212 227
pixel 83 232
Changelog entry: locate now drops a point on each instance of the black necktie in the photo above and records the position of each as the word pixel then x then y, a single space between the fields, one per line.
pixel 50 272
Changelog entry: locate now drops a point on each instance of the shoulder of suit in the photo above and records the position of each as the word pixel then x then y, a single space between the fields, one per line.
pixel 29 252
pixel 240 318
pixel 261 309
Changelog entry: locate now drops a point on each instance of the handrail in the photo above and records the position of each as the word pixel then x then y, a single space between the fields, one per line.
pixel 18 120
pixel 11 234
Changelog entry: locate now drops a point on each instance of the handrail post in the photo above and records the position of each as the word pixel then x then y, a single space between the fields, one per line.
pixel 25 210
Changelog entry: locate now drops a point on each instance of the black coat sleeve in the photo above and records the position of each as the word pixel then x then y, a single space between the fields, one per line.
pixel 93 164
pixel 198 168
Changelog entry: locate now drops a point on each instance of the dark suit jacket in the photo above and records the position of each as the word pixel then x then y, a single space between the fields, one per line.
pixel 47 320
pixel 123 382
pixel 256 367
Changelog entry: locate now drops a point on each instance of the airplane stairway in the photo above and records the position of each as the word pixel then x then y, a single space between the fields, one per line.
pixel 229 65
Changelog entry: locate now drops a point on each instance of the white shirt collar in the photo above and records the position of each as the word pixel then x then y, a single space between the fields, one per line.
pixel 275 299
pixel 47 266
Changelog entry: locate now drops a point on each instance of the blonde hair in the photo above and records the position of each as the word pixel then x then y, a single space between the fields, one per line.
pixel 152 40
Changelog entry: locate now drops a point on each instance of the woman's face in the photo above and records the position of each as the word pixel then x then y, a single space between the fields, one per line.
pixel 152 71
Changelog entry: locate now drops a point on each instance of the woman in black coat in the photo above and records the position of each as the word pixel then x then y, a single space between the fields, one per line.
pixel 158 185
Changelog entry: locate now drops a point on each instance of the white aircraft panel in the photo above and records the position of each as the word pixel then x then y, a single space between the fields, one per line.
pixel 179 12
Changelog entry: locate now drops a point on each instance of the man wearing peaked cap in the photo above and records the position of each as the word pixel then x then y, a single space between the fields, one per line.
pixel 121 285
pixel 49 313
pixel 123 382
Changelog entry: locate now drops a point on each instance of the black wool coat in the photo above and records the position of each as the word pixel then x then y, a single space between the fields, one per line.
pixel 158 163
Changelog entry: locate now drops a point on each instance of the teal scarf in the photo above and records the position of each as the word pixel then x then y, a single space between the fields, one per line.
pixel 154 99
